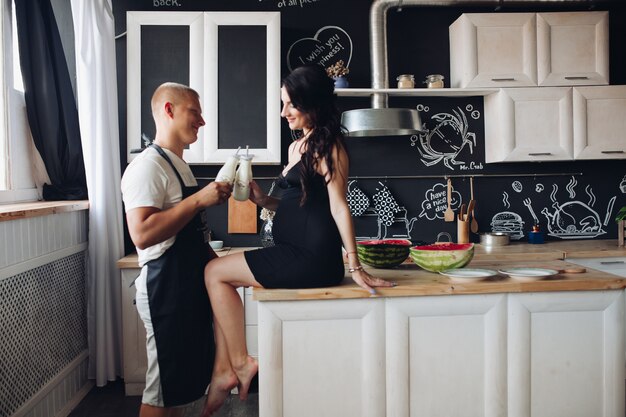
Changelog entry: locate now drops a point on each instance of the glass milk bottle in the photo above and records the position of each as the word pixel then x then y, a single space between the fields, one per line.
pixel 227 172
pixel 241 190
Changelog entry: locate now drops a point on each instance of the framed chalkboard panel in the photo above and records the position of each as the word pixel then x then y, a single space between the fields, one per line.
pixel 242 61
pixel 231 58
pixel 162 46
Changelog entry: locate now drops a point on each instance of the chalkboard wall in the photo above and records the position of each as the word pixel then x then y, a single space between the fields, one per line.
pixel 397 185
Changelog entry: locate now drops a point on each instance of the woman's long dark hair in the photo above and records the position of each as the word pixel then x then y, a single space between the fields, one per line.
pixel 312 92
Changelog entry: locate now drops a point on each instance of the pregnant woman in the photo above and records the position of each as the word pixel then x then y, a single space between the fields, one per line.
pixel 312 222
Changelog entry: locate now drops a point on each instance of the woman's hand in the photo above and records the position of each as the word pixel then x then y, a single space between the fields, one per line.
pixel 257 196
pixel 368 282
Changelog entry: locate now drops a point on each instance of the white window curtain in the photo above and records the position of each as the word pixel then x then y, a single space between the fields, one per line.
pixel 96 91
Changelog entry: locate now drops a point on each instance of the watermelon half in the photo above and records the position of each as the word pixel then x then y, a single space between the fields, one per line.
pixel 441 256
pixel 383 253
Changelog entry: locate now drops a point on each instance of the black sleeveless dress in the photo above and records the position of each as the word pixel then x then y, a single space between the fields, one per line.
pixel 307 251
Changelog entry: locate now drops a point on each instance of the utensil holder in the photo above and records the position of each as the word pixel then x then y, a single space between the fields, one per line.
pixel 462 230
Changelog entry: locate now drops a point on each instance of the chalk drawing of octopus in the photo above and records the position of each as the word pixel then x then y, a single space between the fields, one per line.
pixel 446 141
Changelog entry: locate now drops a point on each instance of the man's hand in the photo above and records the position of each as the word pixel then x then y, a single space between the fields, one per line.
pixel 215 193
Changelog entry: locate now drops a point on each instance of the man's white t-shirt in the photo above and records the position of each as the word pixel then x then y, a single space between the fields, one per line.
pixel 149 181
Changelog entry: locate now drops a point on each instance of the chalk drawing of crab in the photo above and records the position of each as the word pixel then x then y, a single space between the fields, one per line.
pixel 446 141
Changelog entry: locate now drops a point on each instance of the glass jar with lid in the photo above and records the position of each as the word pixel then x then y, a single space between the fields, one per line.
pixel 406 81
pixel 434 81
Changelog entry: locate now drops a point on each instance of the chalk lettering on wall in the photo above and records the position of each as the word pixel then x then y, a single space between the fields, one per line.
pixel 329 45
pixel 293 3
pixel 166 3
pixel 575 219
pixel 435 202
pixel 390 218
pixel 447 139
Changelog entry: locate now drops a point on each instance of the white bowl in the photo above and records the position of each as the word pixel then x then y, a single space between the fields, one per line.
pixel 217 244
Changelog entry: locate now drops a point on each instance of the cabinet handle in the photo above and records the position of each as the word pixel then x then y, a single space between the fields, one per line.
pixel 611 151
pixel 576 78
pixel 503 79
pixel 539 153
pixel 611 262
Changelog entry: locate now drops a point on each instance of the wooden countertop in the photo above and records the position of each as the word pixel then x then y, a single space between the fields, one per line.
pixel 413 281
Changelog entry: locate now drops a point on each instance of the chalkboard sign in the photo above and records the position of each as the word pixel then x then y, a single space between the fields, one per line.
pixel 157 41
pixel 242 86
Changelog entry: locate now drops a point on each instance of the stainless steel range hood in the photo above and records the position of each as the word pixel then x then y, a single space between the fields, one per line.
pixel 381 120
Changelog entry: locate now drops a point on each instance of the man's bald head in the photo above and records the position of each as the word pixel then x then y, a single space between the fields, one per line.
pixel 170 92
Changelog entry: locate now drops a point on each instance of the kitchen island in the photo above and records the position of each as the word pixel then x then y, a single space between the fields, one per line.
pixel 432 347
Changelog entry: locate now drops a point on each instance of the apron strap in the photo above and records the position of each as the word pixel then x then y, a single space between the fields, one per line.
pixel 169 161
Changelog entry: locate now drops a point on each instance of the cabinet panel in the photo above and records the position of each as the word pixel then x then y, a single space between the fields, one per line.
pixel 446 356
pixel 566 354
pixel 529 124
pixel 493 50
pixel 600 122
pixel 322 358
pixel 573 48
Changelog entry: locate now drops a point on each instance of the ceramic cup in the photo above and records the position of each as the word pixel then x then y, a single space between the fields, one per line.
pixel 216 244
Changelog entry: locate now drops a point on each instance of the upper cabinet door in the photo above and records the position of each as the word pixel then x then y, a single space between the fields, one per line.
pixel 242 85
pixel 600 122
pixel 573 48
pixel 161 46
pixel 493 50
pixel 529 124
pixel 231 58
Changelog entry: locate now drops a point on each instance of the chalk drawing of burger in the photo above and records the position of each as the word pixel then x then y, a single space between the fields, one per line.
pixel 508 222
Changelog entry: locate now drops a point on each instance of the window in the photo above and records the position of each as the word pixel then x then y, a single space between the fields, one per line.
pixel 16 145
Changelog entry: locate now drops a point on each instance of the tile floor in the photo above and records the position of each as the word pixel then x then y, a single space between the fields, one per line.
pixel 110 401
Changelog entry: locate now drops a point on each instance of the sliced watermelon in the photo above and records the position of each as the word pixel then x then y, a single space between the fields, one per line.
pixel 442 256
pixel 383 253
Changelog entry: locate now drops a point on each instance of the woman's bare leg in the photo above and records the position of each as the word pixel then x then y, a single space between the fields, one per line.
pixel 222 278
pixel 223 379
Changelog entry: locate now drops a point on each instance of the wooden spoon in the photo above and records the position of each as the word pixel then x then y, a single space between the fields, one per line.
pixel 449 213
pixel 470 210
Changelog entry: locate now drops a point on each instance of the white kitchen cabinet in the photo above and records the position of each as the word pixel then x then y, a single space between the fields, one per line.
pixel 573 48
pixel 540 354
pixel 529 49
pixel 493 50
pixel 446 356
pixel 229 58
pixel 322 358
pixel 133 337
pixel 529 124
pixel 566 354
pixel 600 122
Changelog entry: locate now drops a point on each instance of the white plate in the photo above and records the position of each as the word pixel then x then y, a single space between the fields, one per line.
pixel 528 274
pixel 468 274
pixel 221 249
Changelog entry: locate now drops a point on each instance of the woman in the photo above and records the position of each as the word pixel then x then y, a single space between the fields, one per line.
pixel 312 222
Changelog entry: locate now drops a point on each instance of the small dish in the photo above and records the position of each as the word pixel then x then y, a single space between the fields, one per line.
pixel 468 274
pixel 223 248
pixel 528 274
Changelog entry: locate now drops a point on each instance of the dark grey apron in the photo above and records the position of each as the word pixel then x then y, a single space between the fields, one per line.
pixel 181 312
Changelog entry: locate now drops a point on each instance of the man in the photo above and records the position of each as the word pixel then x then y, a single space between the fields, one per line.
pixel 163 210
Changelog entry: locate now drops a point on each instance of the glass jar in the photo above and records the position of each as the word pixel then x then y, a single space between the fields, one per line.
pixel 434 81
pixel 406 81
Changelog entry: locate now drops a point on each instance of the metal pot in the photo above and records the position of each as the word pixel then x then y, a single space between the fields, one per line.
pixel 494 239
